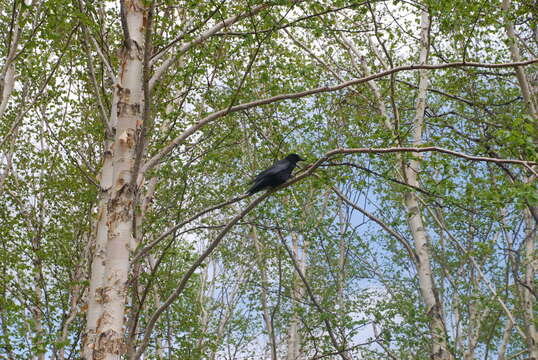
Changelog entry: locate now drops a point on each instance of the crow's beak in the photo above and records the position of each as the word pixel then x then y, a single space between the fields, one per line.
pixel 301 159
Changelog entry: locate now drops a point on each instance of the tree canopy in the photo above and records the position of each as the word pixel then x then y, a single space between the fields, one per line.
pixel 129 132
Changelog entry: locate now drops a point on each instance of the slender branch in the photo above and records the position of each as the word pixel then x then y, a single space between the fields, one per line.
pixel 162 52
pixel 200 39
pixel 150 246
pixel 311 168
pixel 526 163
pixel 284 26
pixel 313 55
pixel 387 228
pixel 87 34
pixel 307 171
pixel 91 68
pixel 41 90
pixel 183 283
pixel 316 357
pixel 216 115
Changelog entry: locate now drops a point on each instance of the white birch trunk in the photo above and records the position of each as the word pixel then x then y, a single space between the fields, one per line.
pixel 94 303
pixel 297 293
pixel 110 330
pixel 476 316
pixel 159 343
pixel 506 339
pixel 97 271
pixel 263 294
pixel 7 76
pixel 524 85
pixel 341 268
pixel 416 224
pixel 341 257
pixel 228 311
pixel 458 337
pixel 293 334
pixel 204 314
pixel 410 171
pixel 531 260
pixel 8 163
pixel 8 81
pixel 36 310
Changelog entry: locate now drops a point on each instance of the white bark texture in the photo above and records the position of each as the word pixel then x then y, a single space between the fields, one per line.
pixel 410 175
pixel 94 302
pixel 531 260
pixel 524 84
pixel 341 257
pixel 416 224
pixel 7 75
pixel 263 293
pixel 297 294
pixel 508 325
pixel 109 340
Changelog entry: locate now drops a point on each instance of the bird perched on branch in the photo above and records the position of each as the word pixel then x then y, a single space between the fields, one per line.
pixel 276 175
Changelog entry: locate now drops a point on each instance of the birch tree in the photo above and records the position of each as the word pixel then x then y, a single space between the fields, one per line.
pixel 130 131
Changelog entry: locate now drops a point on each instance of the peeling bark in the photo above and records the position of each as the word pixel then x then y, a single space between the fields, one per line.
pixel 97 271
pixel 109 337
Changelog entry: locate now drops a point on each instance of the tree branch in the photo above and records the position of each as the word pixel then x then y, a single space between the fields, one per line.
pixel 338 151
pixel 204 36
pixel 183 283
pixel 199 124
pixel 387 228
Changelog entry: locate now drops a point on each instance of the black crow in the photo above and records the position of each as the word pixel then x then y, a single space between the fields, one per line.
pixel 276 175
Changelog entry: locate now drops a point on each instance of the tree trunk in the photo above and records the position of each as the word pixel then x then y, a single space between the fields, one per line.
pixel 109 341
pixel 7 75
pixel 524 85
pixel 94 304
pixel 228 311
pixel 263 292
pixel 530 234
pixel 297 294
pixel 508 325
pixel 528 297
pixel 410 172
pixel 341 257
pixel 416 225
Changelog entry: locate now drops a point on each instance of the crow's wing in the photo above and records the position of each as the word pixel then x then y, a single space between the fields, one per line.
pixel 279 166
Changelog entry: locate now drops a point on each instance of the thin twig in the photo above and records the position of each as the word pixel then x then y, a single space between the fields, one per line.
pixel 401 239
